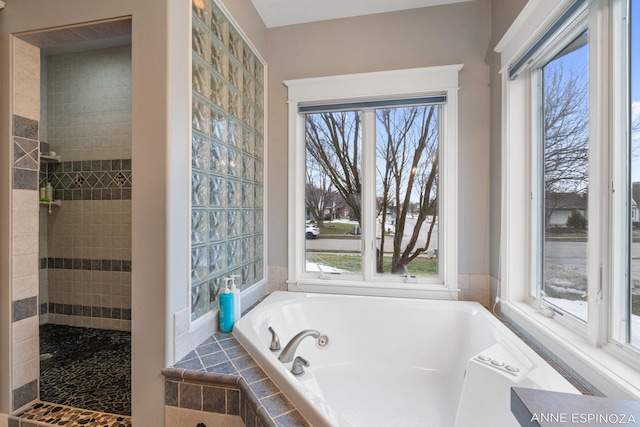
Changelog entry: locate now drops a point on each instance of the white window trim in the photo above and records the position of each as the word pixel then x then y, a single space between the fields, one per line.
pixel 377 85
pixel 605 363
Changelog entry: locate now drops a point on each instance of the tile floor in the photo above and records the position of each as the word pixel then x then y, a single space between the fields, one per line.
pixel 86 368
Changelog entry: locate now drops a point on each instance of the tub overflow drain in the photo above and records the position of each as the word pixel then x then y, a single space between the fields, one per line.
pixel 323 341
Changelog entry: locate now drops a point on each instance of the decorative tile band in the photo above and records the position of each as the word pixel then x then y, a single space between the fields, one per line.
pixel 89 179
pixel 25 308
pixel 25 153
pixel 86 311
pixel 86 264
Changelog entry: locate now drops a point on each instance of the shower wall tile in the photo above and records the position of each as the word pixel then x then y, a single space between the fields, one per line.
pixel 28 368
pixel 24 308
pixel 25 369
pixel 25 220
pixel 89 104
pixel 25 286
pixel 26 79
pixel 25 394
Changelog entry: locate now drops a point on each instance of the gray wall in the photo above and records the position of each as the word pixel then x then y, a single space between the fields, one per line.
pixel 503 13
pixel 459 33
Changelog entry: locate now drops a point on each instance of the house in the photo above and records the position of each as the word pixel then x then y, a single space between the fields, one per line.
pixel 450 32
pixel 560 206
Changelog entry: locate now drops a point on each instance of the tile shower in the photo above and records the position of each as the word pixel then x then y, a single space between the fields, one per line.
pixel 85 243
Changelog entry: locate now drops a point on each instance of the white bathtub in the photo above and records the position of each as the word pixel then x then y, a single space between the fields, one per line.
pixel 395 362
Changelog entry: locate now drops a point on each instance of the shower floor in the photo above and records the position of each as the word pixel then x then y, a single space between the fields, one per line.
pixel 86 368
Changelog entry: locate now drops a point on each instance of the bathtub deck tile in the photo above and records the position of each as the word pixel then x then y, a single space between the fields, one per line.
pixel 191 365
pixel 244 362
pixel 208 348
pixel 233 402
pixel 213 359
pixel 292 419
pixel 253 374
pixel 264 388
pixel 235 352
pixel 230 382
pixel 214 399
pixel 277 405
pixel 190 396
pixel 223 368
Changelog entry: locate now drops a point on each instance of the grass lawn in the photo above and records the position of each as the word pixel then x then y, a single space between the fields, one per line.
pixel 336 228
pixel 352 263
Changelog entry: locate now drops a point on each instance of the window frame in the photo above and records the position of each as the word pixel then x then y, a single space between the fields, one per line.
pixel 567 34
pixel 409 83
pixel 596 351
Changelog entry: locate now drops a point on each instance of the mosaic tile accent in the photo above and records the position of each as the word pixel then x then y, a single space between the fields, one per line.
pixel 25 153
pixel 47 414
pixel 221 376
pixel 89 179
pixel 86 368
pixel 227 181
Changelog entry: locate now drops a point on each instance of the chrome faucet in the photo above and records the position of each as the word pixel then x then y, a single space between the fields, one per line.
pixel 275 341
pixel 299 363
pixel 290 349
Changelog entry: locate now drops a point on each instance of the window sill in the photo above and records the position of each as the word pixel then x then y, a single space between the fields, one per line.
pixel 386 289
pixel 600 366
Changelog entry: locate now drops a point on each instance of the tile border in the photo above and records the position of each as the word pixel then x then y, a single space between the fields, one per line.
pixel 86 264
pixel 221 362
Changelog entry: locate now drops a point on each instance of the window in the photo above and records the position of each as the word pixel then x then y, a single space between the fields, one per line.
pixel 373 169
pixel 405 213
pixel 563 171
pixel 570 236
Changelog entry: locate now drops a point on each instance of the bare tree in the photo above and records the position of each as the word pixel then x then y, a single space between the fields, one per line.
pixel 566 137
pixel 407 164
pixel 407 173
pixel 333 143
pixel 319 194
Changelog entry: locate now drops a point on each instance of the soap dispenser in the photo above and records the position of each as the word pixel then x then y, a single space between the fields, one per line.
pixel 226 308
pixel 237 310
pixel 49 192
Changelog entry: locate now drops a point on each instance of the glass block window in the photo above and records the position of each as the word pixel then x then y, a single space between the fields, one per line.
pixel 227 158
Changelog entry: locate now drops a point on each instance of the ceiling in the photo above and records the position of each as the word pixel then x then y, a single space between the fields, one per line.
pixel 277 13
pixel 88 35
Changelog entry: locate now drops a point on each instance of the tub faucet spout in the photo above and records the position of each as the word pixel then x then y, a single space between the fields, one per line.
pixel 290 349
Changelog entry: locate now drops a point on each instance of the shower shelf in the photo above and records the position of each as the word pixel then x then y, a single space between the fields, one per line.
pixel 49 159
pixel 53 203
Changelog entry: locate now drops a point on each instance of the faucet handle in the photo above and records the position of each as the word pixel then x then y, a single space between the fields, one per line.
pixel 275 341
pixel 299 363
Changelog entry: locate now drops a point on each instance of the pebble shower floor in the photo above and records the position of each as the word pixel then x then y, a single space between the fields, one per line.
pixel 86 368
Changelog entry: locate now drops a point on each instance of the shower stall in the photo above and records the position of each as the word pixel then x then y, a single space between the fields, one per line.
pixel 85 227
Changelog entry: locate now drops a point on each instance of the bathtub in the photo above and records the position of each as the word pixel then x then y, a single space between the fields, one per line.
pixel 395 362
